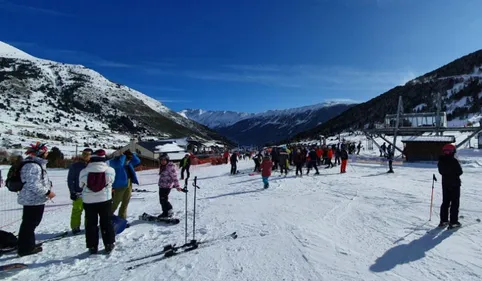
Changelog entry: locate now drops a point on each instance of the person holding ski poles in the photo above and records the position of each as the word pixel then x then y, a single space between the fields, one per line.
pixel 167 180
pixel 450 169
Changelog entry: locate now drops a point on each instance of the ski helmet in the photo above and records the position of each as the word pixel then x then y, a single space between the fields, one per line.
pixel 164 156
pixel 449 149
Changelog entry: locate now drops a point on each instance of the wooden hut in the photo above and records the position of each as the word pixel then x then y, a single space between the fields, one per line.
pixel 425 148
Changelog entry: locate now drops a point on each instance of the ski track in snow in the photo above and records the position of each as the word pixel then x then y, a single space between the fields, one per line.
pixel 363 225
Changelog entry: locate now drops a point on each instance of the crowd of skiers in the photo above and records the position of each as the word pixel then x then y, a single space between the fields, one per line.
pixel 98 185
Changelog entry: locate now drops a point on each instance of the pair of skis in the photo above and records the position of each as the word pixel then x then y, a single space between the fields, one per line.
pixel 171 250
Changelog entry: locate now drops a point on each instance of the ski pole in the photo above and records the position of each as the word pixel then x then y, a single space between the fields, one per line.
pixel 194 215
pixel 185 213
pixel 434 179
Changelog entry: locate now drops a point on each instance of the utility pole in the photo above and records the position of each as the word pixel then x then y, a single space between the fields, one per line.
pixel 391 153
pixel 438 119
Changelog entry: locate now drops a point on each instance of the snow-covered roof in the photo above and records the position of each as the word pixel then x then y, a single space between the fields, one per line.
pixel 211 143
pixel 176 155
pixel 181 141
pixel 448 139
pixel 170 147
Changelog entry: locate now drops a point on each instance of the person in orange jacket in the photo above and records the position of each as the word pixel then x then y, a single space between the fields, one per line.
pixel 330 156
pixel 319 153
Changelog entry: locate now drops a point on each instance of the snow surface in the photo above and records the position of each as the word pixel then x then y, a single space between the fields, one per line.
pixel 8 51
pixel 363 225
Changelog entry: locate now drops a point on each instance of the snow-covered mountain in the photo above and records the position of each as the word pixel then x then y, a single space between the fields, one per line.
pixel 215 119
pixel 458 82
pixel 66 102
pixel 270 126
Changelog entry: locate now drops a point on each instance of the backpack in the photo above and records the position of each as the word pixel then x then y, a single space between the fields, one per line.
pixel 96 181
pixel 14 182
pixel 7 240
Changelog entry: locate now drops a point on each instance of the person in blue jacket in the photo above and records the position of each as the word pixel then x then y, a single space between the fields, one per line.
pixel 125 176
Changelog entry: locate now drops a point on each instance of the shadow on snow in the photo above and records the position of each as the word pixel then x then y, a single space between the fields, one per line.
pixel 413 251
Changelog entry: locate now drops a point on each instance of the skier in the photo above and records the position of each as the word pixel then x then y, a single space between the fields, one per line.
pixel 266 167
pixel 299 160
pixel 358 148
pixel 312 163
pixel 344 160
pixel 35 192
pixel 233 160
pixel 96 182
pixel 450 169
pixel 167 180
pixel 283 161
pixel 76 191
pixel 185 165
pixel 125 176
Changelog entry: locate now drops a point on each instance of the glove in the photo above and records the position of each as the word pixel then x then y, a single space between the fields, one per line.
pixel 73 196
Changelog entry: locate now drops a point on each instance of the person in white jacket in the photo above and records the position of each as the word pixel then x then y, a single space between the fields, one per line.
pixel 96 181
pixel 35 192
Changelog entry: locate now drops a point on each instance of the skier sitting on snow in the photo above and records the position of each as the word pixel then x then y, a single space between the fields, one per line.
pixel 449 168
pixel 167 180
pixel 266 167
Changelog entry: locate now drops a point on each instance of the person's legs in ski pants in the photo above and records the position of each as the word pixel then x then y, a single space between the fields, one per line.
pixel 76 216
pixel 164 199
pixel 31 218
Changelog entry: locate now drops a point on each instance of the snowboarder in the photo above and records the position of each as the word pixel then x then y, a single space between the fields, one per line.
pixel 35 192
pixel 125 176
pixel 76 191
pixel 266 168
pixel 167 180
pixel 450 169
pixel 344 160
pixel 233 160
pixel 96 182
pixel 185 165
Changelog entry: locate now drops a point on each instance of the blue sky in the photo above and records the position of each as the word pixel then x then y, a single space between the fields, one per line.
pixel 248 55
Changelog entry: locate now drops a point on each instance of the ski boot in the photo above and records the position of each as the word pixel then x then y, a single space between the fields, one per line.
pixel 443 224
pixel 454 225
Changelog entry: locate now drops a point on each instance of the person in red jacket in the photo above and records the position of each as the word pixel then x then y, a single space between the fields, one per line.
pixel 319 153
pixel 266 167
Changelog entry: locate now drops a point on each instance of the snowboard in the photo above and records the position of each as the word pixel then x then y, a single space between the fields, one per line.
pixel 119 224
pixel 147 217
pixel 12 267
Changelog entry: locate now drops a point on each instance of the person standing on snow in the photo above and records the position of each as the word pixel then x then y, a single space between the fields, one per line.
pixel 299 160
pixel 233 160
pixel 283 161
pixel 266 167
pixel 312 163
pixel 185 165
pixel 76 191
pixel 344 160
pixel 359 146
pixel 450 169
pixel 257 162
pixel 35 192
pixel 96 182
pixel 167 180
pixel 125 176
pixel 330 156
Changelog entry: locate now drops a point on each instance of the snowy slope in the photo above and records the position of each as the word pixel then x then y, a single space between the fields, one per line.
pixel 363 225
pixel 38 93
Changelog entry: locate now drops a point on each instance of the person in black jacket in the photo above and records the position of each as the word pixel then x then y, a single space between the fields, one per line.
pixel 312 163
pixel 234 161
pixel 450 169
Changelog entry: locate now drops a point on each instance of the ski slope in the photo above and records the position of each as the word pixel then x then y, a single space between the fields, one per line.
pixel 363 225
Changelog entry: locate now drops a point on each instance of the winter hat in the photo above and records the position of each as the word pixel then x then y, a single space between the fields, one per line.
pixel 164 156
pixel 449 149
pixel 98 156
pixel 36 149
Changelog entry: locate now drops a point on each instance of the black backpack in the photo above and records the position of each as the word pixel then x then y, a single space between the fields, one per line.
pixel 7 240
pixel 14 182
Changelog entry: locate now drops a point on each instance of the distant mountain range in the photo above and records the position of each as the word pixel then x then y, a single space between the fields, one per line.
pixel 460 86
pixel 48 99
pixel 266 127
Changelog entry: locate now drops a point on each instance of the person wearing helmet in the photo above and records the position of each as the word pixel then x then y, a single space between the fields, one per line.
pixel 450 169
pixel 35 192
pixel 185 165
pixel 167 180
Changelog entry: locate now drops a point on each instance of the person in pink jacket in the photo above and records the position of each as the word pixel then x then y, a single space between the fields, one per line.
pixel 167 181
